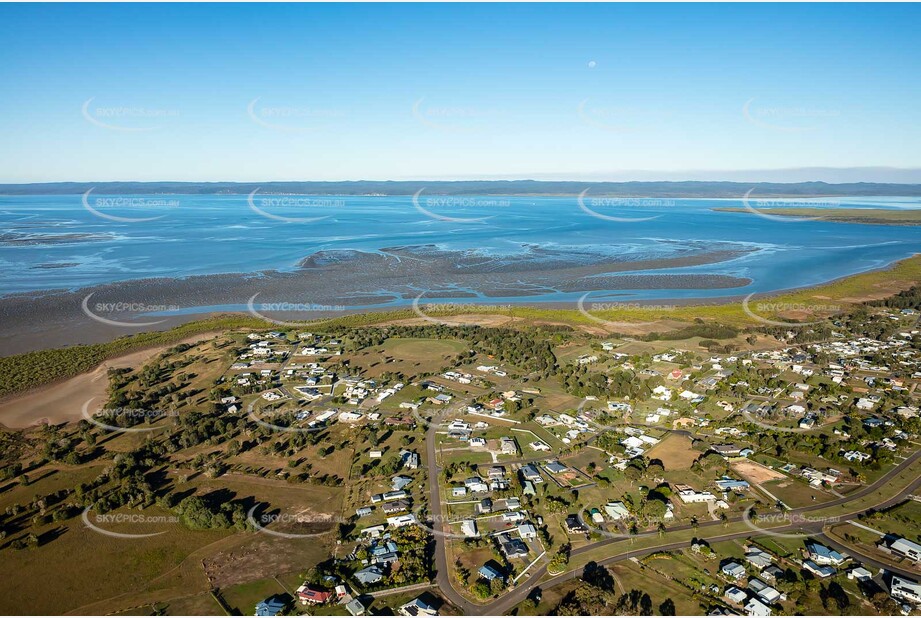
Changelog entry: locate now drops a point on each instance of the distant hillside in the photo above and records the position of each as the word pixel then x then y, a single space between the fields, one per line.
pixel 476 187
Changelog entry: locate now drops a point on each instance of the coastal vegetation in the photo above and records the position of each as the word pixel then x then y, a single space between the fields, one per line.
pixel 868 216
pixel 26 371
pixel 22 372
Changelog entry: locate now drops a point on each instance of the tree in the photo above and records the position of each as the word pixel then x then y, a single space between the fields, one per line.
pixel 496 585
pixel 481 590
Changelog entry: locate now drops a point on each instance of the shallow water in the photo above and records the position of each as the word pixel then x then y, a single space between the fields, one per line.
pixel 71 242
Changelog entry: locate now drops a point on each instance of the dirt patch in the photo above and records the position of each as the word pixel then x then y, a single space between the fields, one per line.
pixel 63 402
pixel 755 473
pixel 265 554
pixel 473 319
pixel 674 452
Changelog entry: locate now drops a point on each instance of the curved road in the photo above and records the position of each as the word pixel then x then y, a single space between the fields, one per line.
pixel 508 601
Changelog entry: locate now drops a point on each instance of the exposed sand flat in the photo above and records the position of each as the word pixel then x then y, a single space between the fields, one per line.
pixel 63 402
pixel 334 283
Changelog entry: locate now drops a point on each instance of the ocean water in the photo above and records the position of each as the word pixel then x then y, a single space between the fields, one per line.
pixel 72 242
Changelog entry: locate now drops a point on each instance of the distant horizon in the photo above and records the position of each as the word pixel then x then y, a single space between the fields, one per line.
pixel 617 92
pixel 832 176
pixel 687 189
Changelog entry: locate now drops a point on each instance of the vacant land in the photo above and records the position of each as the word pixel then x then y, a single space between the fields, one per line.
pixel 755 473
pixel 674 452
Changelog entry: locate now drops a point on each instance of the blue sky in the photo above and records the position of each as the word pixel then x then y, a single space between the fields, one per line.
pixel 334 92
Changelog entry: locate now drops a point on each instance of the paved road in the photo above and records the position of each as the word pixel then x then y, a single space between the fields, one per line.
pixel 867 560
pixel 507 602
pixel 513 598
pixel 442 577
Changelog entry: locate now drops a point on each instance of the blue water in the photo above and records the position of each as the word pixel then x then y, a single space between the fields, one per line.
pixel 197 235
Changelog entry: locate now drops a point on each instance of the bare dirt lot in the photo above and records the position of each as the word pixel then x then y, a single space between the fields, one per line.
pixel 755 473
pixel 63 402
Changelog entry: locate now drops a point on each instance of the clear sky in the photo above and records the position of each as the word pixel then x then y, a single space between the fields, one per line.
pixel 415 91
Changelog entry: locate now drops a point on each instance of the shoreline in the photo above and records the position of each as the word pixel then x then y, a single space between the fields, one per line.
pixel 868 285
pixel 337 283
pixel 25 408
pixel 73 327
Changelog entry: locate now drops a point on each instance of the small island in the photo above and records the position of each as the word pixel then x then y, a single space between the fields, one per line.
pixel 871 216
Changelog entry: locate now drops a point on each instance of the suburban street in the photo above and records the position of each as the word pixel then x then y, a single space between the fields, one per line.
pixel 509 600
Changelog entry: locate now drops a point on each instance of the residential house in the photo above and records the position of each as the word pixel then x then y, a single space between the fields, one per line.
pixel 689 495
pixel 527 530
pixel 401 520
pixel 616 510
pixel 417 607
pixel 905 589
pixel 397 506
pixel 733 569
pixel 754 607
pixel 514 548
pixel 902 547
pixel 772 573
pixel 309 595
pixel 735 595
pixel 355 607
pixel 822 555
pixel 489 572
pixel 529 473
pixel 767 593
pixel 273 606
pixel 369 575
pixel 575 525
pixel 758 558
pixel 729 484
pixel 820 571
